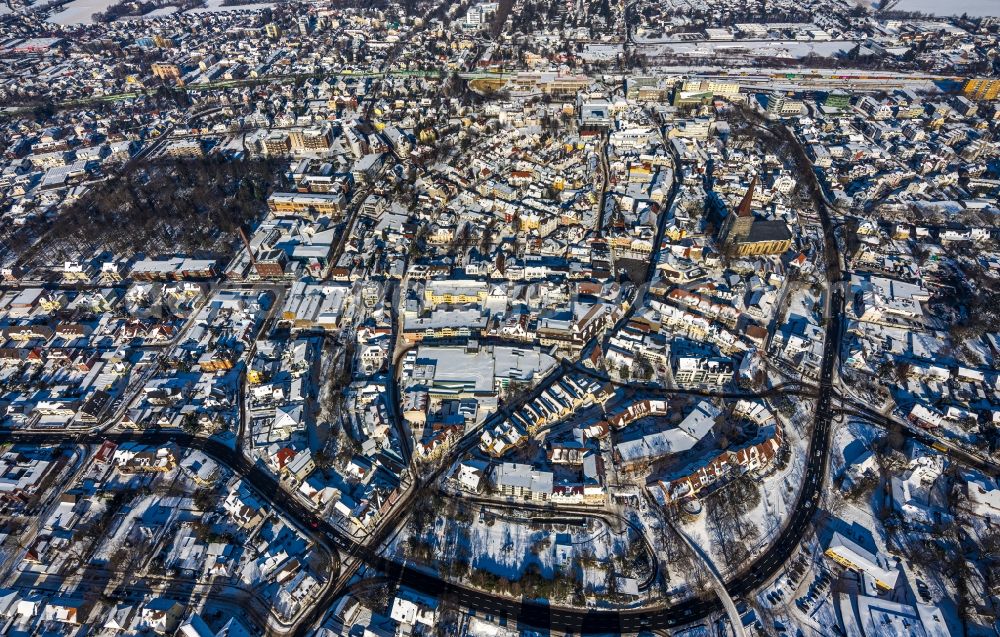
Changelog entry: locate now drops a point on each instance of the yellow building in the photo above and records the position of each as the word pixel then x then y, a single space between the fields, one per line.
pixel 849 555
pixel 300 203
pixel 311 139
pixel 215 362
pixel 454 292
pixel 982 89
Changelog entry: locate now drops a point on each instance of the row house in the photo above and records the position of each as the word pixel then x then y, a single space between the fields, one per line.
pixel 755 456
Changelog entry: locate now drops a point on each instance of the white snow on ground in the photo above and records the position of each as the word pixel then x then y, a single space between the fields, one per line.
pixel 598 52
pixel 507 547
pixel 155 13
pixel 824 614
pixel 849 441
pixel 162 11
pixel 488 629
pixel 858 523
pixel 803 303
pixel 118 537
pixel 80 12
pixel 779 492
pixel 958 7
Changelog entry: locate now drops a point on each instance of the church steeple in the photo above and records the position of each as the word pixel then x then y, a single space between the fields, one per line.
pixel 744 209
pixel 738 224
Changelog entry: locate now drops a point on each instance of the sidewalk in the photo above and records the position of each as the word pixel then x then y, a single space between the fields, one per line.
pixel 720 587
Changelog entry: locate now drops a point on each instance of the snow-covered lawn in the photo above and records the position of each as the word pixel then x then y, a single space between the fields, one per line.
pixel 507 548
pixel 972 7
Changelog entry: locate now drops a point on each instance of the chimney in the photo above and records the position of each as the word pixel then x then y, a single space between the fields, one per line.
pixel 246 242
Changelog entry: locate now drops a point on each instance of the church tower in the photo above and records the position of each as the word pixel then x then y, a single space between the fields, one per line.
pixel 738 223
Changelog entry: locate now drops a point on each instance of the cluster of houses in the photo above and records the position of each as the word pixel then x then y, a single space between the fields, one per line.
pixel 231 538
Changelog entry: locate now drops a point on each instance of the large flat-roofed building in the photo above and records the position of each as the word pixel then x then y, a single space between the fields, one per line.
pixel 445 324
pixel 316 204
pixel 700 370
pixel 173 269
pixel 870 616
pixel 276 143
pixel 314 306
pixel 982 89
pixel 185 148
pixel 455 372
pixel 166 71
pixel 523 481
pixel 21 476
pixel 556 84
pixel 311 139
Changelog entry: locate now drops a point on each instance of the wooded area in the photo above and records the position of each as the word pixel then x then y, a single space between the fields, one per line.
pixel 166 206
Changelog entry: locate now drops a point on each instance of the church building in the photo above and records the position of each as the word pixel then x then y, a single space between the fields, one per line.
pixel 743 234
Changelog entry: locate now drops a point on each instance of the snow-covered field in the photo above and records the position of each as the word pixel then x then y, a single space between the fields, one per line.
pixel 958 7
pixel 506 548
pixel 215 6
pixel 80 12
pixel 155 13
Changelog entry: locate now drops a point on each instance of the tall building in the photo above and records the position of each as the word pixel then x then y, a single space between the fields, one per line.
pixel 272 30
pixel 276 144
pixel 782 105
pixel 310 139
pixel 305 25
pixel 982 89
pixel 480 13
